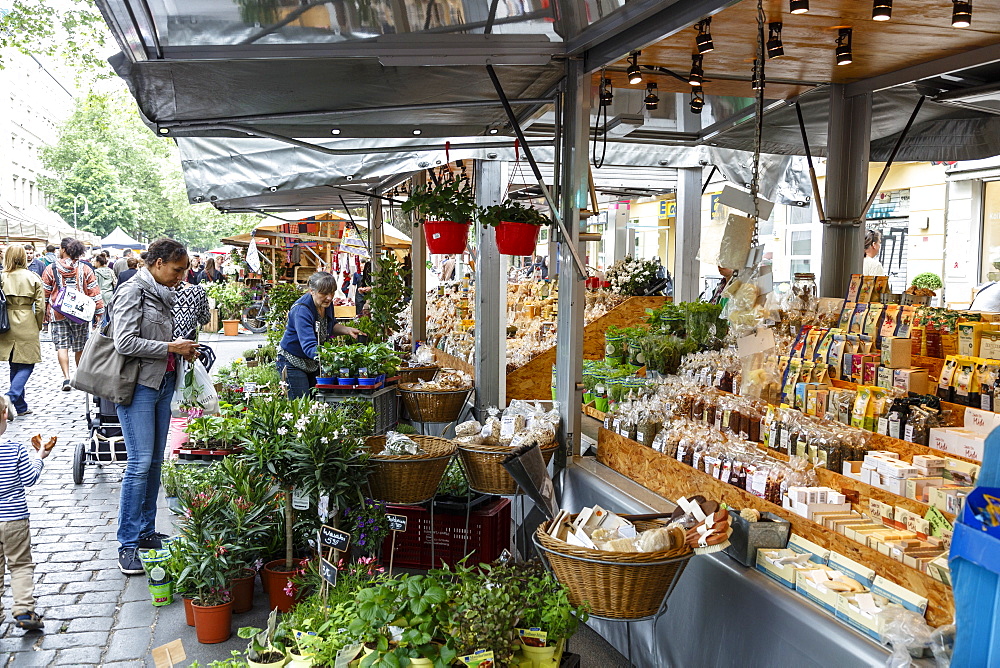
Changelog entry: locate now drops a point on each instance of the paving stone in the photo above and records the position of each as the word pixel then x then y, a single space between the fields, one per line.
pixel 40 658
pixel 61 546
pixel 58 567
pixel 19 641
pixel 57 600
pixel 136 590
pixel 81 624
pixel 91 585
pixel 68 640
pixel 79 656
pixel 110 596
pixel 128 644
pixel 77 556
pixel 111 574
pixel 71 577
pixel 73 611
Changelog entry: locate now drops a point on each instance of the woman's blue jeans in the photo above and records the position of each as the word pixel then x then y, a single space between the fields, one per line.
pixel 19 374
pixel 300 383
pixel 145 424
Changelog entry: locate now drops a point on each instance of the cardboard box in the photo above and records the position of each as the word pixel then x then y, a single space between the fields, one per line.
pixel 911 380
pixel 785 574
pixel 942 438
pixel 800 545
pixel 852 569
pixel 885 377
pixel 918 489
pixel 899 595
pixel 896 352
pixel 989 345
pixel 863 617
pixel 980 421
pixel 809 583
pixel 808 510
pixel 948 498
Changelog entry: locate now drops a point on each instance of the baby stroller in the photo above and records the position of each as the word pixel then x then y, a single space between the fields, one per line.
pixel 106 444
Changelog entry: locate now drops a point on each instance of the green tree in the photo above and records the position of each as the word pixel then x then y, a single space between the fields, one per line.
pixel 71 32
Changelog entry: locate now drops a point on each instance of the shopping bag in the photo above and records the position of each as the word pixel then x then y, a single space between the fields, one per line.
pixel 194 390
pixel 72 303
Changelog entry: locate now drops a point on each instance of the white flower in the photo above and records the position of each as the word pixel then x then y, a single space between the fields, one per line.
pixel 282 431
pixel 287 416
pixel 324 440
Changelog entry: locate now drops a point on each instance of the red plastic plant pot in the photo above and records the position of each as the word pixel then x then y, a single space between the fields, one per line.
pixel 446 237
pixel 517 238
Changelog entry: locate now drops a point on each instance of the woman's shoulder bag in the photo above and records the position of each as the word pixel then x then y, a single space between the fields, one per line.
pixel 105 372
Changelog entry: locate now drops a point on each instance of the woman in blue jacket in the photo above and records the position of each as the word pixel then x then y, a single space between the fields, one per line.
pixel 310 323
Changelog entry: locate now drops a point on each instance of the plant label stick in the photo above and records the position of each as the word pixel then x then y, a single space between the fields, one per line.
pixel 335 538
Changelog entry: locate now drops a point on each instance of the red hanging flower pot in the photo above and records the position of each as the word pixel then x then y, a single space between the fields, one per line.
pixel 446 237
pixel 517 238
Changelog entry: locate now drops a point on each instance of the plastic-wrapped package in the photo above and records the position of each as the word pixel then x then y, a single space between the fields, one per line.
pixel 491 428
pixel 469 428
pixel 401 444
pixel 510 426
pixel 475 439
pixel 907 633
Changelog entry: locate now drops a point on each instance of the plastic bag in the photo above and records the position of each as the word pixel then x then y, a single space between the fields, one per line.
pixel 468 428
pixel 401 444
pixel 194 391
pixel 907 633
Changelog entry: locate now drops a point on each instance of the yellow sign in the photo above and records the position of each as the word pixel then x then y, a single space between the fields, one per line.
pixel 668 208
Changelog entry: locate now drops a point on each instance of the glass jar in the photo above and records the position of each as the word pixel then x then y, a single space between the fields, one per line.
pixel 803 296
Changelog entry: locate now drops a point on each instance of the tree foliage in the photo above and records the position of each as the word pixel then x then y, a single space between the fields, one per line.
pixel 71 32
pixel 129 177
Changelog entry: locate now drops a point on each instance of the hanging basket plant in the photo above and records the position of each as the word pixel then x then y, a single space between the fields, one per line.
pixel 446 210
pixel 516 227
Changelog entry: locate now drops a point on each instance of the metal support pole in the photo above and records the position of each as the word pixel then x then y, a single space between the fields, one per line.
pixel 491 298
pixel 418 262
pixel 687 223
pixel 375 231
pixel 619 231
pixel 572 301
pixel 848 144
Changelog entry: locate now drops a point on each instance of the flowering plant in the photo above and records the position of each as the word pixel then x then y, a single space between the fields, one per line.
pixel 367 524
pixel 630 275
pixel 205 568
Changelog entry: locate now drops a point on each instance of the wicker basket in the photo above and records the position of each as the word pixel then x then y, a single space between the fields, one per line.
pixel 617 585
pixel 484 467
pixel 408 479
pixel 413 374
pixel 444 406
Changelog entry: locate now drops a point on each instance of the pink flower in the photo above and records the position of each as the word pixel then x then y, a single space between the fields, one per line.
pixel 290 588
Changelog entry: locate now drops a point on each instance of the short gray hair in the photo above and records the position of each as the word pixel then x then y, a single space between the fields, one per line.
pixel 323 282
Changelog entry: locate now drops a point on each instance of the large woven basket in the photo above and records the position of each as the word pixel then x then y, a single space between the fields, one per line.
pixel 484 467
pixel 408 479
pixel 443 406
pixel 617 585
pixel 413 374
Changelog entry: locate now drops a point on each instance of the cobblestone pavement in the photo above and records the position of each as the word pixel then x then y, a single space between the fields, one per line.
pixel 94 615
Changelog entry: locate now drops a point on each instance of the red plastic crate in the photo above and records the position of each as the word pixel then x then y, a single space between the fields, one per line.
pixel 489 535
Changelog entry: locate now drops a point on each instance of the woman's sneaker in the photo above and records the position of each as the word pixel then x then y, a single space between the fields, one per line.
pixel 66 387
pixel 29 621
pixel 128 561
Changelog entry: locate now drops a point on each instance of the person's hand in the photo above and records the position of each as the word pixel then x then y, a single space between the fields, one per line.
pixel 352 332
pixel 183 347
pixel 365 288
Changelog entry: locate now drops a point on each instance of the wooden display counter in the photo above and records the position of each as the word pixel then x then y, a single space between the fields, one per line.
pixel 670 478
pixel 534 379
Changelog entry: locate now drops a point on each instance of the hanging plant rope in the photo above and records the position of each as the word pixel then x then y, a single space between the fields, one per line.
pixel 758 118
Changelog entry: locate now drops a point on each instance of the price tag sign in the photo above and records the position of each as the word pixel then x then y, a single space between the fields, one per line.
pixel 335 538
pixel 328 572
pixel 396 522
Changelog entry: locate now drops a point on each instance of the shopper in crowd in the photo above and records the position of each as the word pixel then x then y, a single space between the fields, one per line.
pixel 68 335
pixel 20 344
pixel 210 274
pixel 20 467
pixel 362 282
pixel 142 326
pixel 192 275
pixel 873 246
pixel 106 278
pixel 122 264
pixel 50 255
pixel 133 266
pixel 35 264
pixel 310 323
pixel 448 268
pixel 190 311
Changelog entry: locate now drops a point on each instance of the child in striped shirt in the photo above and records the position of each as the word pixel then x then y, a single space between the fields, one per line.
pixel 20 467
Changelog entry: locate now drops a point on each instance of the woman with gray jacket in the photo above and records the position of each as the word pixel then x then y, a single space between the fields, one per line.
pixel 142 326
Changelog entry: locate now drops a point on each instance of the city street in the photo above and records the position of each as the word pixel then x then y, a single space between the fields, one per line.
pixel 93 614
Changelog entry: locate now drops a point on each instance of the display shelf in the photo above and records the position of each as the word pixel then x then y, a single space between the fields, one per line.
pixel 593 412
pixel 670 478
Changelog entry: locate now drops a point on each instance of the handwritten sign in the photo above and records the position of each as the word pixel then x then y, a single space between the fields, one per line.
pixel 328 572
pixel 396 522
pixel 335 538
pixel 166 656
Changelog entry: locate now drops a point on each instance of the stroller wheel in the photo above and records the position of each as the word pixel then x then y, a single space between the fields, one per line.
pixel 79 459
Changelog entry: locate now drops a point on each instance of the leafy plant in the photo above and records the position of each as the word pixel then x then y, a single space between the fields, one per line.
pixel 452 200
pixel 927 280
pixel 261 648
pixel 387 298
pixel 453 483
pixel 208 567
pixel 367 524
pixel 549 608
pixel 231 297
pixel 513 212
pixel 280 298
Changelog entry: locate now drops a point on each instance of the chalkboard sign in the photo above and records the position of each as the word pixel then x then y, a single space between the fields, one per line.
pixel 335 538
pixel 328 572
pixel 396 522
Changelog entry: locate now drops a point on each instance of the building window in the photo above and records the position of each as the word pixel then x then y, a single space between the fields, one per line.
pixel 801 243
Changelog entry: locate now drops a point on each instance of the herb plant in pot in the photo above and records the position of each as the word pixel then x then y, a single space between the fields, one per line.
pixel 206 575
pixel 329 360
pixel 549 612
pixel 231 298
pixel 446 209
pixel 516 227
pixel 261 650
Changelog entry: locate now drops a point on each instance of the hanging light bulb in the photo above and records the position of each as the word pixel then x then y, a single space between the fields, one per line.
pixel 697 75
pixel 607 93
pixel 704 38
pixel 799 6
pixel 633 73
pixel 961 14
pixel 844 54
pixel 881 10
pixel 775 48
pixel 757 80
pixel 697 100
pixel 652 100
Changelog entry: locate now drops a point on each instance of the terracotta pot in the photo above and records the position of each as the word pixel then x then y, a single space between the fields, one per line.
pixel 188 611
pixel 213 623
pixel 275 578
pixel 231 327
pixel 242 590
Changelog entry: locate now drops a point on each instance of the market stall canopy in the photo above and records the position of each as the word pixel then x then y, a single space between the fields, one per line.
pixel 119 238
pixel 14 227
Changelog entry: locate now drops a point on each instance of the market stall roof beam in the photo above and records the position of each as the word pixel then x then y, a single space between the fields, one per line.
pixel 985 55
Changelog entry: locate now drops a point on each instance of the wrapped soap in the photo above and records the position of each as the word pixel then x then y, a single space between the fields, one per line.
pixel 663 538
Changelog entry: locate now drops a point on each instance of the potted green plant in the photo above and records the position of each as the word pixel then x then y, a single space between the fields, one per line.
pixel 387 298
pixel 206 576
pixel 329 363
pixel 446 209
pixel 550 612
pixel 231 297
pixel 261 650
pixel 516 226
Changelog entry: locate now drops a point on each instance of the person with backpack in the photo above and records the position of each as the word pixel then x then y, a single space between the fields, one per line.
pixel 58 279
